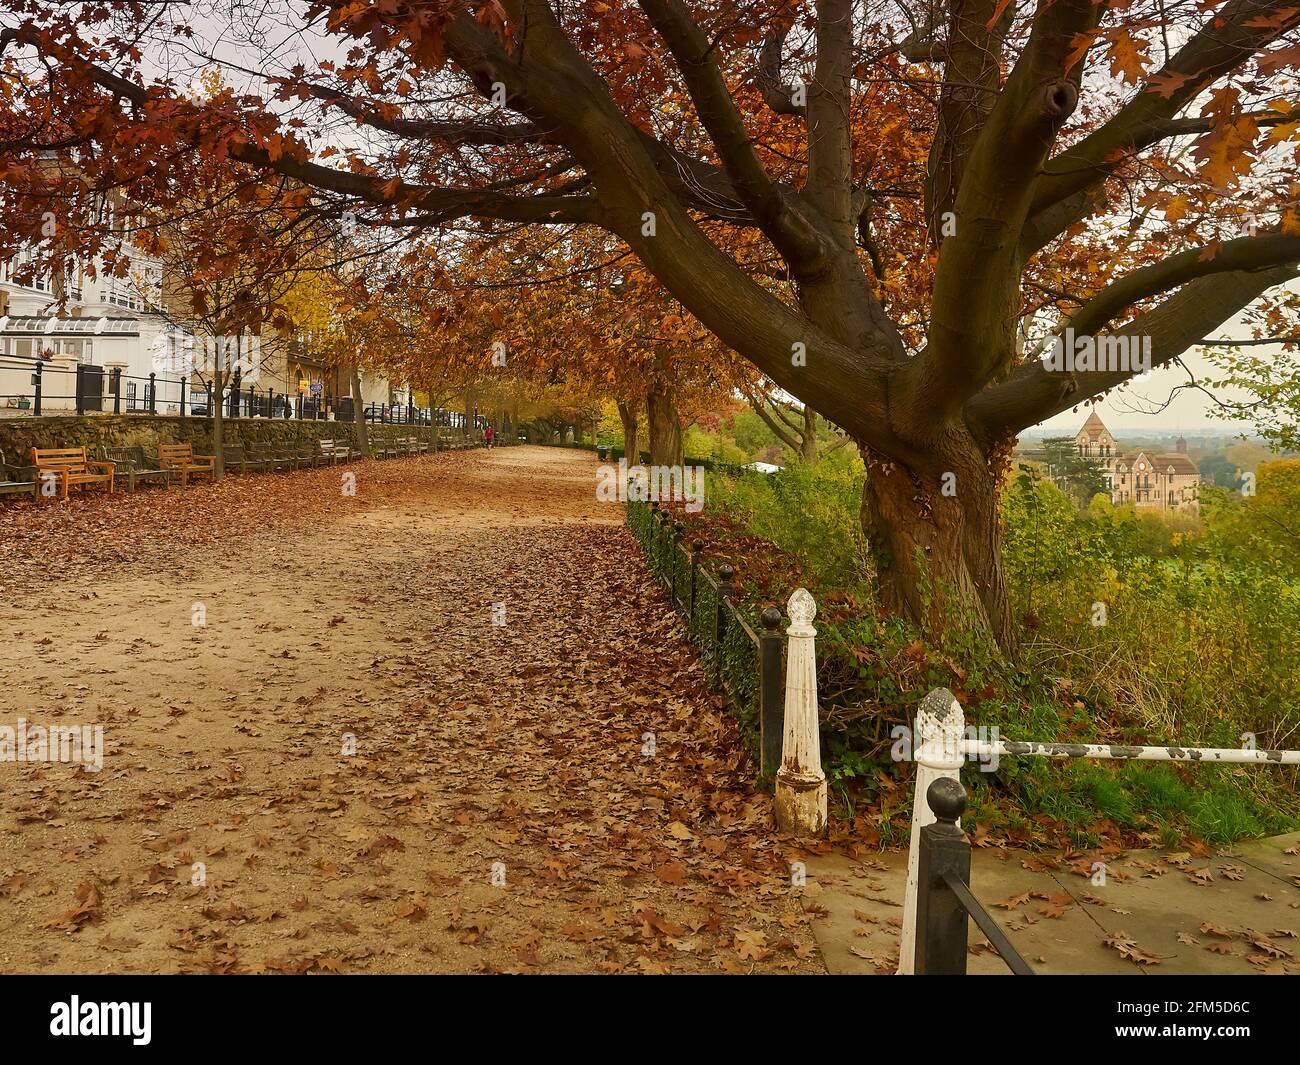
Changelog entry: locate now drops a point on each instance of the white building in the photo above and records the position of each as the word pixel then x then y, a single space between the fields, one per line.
pixel 106 324
pixel 109 327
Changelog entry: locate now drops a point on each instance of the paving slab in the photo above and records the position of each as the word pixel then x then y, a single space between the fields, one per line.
pixel 1271 856
pixel 1193 915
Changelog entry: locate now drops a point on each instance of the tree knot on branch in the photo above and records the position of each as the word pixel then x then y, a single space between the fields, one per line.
pixel 485 79
pixel 1060 98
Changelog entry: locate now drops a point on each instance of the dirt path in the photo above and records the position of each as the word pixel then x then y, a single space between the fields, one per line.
pixel 505 809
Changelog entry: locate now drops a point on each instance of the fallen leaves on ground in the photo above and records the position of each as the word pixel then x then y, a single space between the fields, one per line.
pixel 349 767
pixel 1126 947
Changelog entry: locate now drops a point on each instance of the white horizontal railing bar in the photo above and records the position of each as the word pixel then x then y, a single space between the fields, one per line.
pixel 985 750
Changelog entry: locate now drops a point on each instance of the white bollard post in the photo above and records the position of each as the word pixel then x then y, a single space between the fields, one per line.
pixel 800 782
pixel 940 729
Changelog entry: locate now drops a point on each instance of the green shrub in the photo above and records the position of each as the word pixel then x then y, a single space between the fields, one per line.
pixel 1133 630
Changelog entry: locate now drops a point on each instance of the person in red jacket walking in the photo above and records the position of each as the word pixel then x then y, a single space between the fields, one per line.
pixel 489 434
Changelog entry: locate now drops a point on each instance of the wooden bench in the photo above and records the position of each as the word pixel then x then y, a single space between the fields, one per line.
pixel 308 456
pixel 275 456
pixel 335 451
pixel 16 480
pixel 234 457
pixel 131 467
pixel 180 458
pixel 70 466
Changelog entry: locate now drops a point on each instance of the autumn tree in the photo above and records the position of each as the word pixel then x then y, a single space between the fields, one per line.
pixel 1265 368
pixel 1126 169
pixel 234 266
pixel 792 423
pixel 577 309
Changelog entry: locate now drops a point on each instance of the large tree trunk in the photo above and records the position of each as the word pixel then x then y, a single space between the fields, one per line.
pixel 359 415
pixel 936 541
pixel 627 414
pixel 665 428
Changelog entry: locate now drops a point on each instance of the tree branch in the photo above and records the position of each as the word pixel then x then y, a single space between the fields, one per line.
pixel 829 187
pixel 384 116
pixel 778 431
pixel 971 53
pixel 784 221
pixel 780 411
pixel 778 96
pixel 1236 32
pixel 1034 393
pixel 1245 253
pixel 976 285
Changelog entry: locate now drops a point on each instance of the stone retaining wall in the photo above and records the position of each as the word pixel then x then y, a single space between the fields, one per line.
pixel 19 435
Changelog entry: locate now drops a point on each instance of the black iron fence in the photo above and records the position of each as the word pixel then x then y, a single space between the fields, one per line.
pixel 746 665
pixel 39 387
pixel 409 414
pixel 940 854
pixel 610 453
pixel 749 667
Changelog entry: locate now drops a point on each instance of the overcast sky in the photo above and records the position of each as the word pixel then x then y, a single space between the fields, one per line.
pixel 1138 407
pixel 1145 406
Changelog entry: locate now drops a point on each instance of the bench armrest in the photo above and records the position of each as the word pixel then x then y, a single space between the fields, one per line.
pixel 109 466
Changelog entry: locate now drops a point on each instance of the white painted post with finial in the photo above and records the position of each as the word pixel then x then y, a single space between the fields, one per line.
pixel 940 729
pixel 800 782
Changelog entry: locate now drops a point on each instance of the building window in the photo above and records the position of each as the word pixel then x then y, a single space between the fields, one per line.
pixel 25 259
pixel 121 292
pixel 79 348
